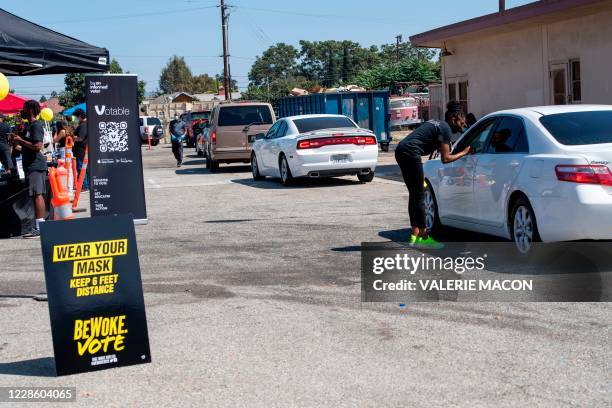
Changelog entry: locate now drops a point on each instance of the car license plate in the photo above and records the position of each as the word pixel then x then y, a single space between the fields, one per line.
pixel 340 158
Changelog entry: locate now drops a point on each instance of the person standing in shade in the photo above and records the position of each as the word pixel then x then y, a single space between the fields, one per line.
pixel 5 150
pixel 80 143
pixel 430 136
pixel 34 163
pixel 177 135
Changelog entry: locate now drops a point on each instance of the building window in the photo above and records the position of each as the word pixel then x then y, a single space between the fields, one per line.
pixel 463 95
pixel 452 91
pixel 575 81
pixel 458 91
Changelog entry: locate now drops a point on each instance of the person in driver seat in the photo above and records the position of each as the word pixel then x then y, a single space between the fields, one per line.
pixel 430 136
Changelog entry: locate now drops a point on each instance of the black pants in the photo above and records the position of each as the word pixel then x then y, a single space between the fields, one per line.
pixel 5 156
pixel 412 172
pixel 177 149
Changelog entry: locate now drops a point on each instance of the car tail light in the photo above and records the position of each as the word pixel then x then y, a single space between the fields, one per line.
pixel 336 140
pixel 587 174
pixel 213 137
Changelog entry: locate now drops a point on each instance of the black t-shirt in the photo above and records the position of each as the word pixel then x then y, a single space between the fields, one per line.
pixel 427 138
pixel 33 160
pixel 5 129
pixel 79 146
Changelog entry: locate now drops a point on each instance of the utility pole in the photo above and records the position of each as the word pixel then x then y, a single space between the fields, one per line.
pixel 398 40
pixel 226 75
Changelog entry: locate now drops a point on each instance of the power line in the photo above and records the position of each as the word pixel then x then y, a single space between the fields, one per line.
pixel 126 16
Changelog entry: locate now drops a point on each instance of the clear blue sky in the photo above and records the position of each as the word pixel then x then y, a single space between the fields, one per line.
pixel 143 34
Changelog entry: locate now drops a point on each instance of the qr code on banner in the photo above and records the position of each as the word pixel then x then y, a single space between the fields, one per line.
pixel 113 136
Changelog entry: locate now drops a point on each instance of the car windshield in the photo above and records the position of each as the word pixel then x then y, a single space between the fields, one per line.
pixel 200 115
pixel 153 121
pixel 326 122
pixel 403 103
pixel 245 115
pixel 580 128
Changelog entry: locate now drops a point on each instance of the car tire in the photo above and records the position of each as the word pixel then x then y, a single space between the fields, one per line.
pixel 255 168
pixel 432 216
pixel 523 226
pixel 199 152
pixel 285 171
pixel 366 178
pixel 154 142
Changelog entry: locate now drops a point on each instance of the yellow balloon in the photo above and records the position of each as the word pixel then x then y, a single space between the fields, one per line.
pixel 46 114
pixel 4 86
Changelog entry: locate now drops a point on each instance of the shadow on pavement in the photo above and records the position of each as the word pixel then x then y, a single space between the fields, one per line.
pixel 204 170
pixel 447 234
pixel 275 184
pixel 36 367
pixel 194 162
pixel 389 172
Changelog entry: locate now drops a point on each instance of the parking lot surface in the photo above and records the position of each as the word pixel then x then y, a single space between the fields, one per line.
pixel 253 299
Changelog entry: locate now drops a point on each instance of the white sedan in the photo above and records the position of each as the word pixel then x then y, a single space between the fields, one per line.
pixel 314 146
pixel 537 174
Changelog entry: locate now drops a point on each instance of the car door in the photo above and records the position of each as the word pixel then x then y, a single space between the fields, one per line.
pixel 275 147
pixel 498 167
pixel 265 155
pixel 456 189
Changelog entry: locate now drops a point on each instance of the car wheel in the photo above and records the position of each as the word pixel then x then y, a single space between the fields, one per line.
pixel 366 178
pixel 285 171
pixel 432 218
pixel 207 160
pixel 154 142
pixel 523 226
pixel 255 168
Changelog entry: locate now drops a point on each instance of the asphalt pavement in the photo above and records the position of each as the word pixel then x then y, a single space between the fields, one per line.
pixel 253 299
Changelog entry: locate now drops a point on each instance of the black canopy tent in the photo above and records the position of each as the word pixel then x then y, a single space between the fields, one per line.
pixel 29 49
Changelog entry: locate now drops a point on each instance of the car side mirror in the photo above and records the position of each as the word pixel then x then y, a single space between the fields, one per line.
pixel 260 136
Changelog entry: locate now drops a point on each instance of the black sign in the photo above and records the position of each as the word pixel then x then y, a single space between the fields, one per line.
pixel 115 161
pixel 95 295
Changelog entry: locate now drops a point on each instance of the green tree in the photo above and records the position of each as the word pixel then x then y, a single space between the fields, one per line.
pixel 43 98
pixel 203 84
pixel 277 62
pixel 176 76
pixel 410 70
pixel 74 90
pixel 219 81
pixel 114 67
pixel 54 94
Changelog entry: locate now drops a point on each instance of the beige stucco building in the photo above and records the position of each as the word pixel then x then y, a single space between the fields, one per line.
pixel 545 52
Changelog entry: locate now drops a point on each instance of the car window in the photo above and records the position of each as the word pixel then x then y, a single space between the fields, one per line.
pixel 244 115
pixel 579 128
pixel 323 122
pixel 272 131
pixel 477 137
pixel 153 122
pixel 509 137
pixel 282 130
pixel 140 123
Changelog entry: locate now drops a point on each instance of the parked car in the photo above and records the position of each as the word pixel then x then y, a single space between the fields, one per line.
pixel 404 112
pixel 192 121
pixel 150 127
pixel 315 146
pixel 537 174
pixel 231 131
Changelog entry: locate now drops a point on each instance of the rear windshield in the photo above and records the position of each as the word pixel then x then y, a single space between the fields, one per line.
pixel 332 122
pixel 244 115
pixel 153 121
pixel 580 128
pixel 200 115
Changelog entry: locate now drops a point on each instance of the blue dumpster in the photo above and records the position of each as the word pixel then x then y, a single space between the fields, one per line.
pixel 370 110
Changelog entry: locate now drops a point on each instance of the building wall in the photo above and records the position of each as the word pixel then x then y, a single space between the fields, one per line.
pixel 511 69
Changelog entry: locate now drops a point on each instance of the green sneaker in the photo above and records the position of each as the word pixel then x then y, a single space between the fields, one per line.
pixel 413 240
pixel 429 243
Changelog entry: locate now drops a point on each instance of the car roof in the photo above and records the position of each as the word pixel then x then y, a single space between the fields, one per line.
pixel 226 104
pixel 552 109
pixel 321 115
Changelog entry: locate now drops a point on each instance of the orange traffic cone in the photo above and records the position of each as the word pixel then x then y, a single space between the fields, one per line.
pixel 61 200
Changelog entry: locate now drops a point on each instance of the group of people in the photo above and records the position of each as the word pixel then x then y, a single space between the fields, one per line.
pixel 27 140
